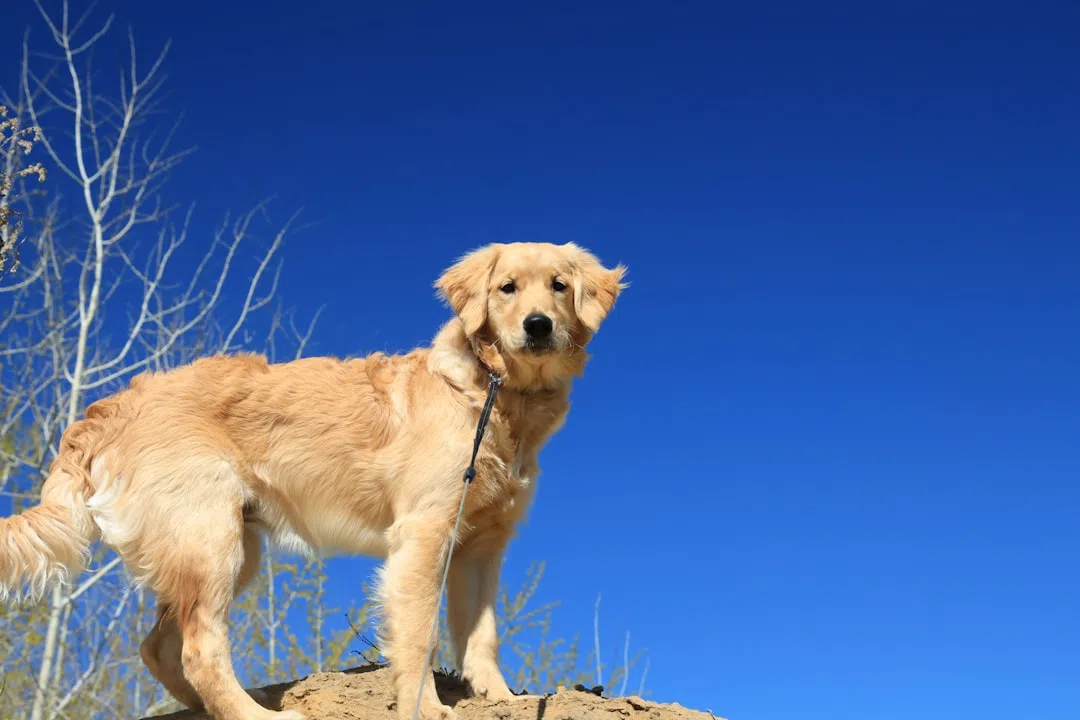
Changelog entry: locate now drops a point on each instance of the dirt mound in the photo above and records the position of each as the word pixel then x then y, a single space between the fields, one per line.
pixel 365 693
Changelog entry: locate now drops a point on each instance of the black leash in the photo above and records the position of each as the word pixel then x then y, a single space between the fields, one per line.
pixel 494 383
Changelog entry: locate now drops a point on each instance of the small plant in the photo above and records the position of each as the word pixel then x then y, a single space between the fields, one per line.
pixel 13 139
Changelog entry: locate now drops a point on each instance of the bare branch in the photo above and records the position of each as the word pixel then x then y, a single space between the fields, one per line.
pixel 92 580
pixel 302 344
pixel 249 305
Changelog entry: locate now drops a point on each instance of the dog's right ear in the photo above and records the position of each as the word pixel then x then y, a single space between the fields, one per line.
pixel 595 287
pixel 464 287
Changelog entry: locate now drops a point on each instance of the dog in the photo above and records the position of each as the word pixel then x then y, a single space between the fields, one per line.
pixel 183 471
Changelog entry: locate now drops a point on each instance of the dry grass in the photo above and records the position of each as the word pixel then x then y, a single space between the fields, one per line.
pixel 14 140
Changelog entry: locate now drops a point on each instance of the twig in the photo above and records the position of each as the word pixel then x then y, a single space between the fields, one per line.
pixel 644 674
pixel 626 665
pixel 596 640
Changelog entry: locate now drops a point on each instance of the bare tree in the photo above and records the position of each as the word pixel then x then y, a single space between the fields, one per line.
pixel 101 297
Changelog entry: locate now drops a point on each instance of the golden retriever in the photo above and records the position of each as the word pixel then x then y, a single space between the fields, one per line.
pixel 182 471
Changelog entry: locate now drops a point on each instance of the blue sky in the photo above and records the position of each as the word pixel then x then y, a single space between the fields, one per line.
pixel 824 461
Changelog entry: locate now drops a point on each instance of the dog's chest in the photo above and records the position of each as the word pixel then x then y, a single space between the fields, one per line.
pixel 498 499
pixel 504 474
pixel 507 467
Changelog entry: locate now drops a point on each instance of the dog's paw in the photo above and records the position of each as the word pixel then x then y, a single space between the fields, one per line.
pixel 494 693
pixel 488 683
pixel 429 710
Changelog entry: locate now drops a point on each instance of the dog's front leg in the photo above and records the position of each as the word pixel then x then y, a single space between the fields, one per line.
pixel 471 598
pixel 410 594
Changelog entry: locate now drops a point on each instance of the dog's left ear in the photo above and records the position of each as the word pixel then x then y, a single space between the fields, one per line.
pixel 595 287
pixel 464 287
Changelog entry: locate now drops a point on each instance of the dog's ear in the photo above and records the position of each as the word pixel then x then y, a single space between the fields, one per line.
pixel 595 287
pixel 464 287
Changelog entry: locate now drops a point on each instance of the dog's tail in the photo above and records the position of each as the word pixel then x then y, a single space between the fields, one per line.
pixel 49 543
pixel 44 545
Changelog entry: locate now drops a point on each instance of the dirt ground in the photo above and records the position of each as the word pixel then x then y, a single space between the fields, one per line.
pixel 365 693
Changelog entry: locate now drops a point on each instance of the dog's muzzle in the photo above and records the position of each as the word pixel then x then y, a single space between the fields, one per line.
pixel 538 332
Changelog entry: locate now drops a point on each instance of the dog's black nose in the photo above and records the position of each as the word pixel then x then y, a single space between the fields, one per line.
pixel 537 326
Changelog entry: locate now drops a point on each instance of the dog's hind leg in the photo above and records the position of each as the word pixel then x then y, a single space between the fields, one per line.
pixel 160 652
pixel 162 648
pixel 201 573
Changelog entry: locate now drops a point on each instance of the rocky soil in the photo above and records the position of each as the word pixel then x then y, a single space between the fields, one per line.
pixel 365 693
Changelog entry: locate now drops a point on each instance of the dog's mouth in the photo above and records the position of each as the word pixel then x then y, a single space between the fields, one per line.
pixel 538 347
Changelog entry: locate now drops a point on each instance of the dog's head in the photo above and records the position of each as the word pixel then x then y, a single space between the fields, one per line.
pixel 535 304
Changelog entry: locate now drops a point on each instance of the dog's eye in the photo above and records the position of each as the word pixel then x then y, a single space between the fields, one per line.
pixel 558 285
pixel 508 287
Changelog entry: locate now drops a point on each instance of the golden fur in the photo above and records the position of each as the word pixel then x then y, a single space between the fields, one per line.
pixel 182 471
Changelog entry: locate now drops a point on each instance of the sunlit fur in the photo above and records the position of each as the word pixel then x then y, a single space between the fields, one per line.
pixel 183 470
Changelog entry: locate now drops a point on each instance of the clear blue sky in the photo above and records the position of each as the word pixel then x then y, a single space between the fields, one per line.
pixel 824 462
